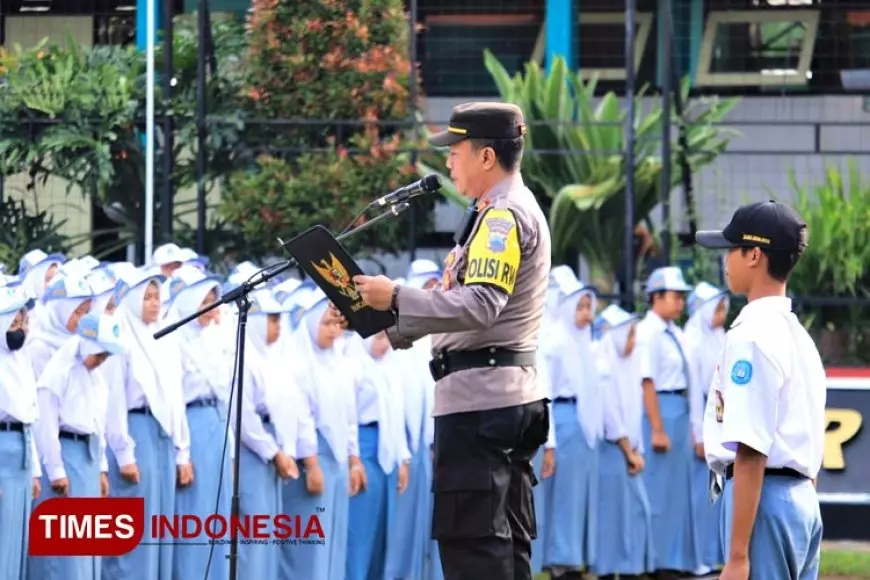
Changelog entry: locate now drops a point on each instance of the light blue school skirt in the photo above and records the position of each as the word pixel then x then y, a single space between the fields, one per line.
pixel 409 534
pixel 625 534
pixel 211 477
pixel 81 461
pixel 668 480
pixel 572 521
pixel 543 494
pixel 155 456
pixel 786 541
pixel 16 483
pixel 326 559
pixel 259 494
pixel 370 512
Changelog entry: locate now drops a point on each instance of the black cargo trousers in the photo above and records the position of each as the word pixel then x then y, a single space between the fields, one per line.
pixel 484 514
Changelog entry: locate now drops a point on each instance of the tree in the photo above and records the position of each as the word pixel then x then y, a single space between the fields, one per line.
pixel 343 65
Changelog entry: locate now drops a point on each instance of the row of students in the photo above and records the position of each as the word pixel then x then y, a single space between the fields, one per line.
pixel 624 486
pixel 331 425
pixel 336 423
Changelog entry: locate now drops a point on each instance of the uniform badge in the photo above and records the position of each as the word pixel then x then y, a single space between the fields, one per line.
pixel 741 372
pixel 720 407
pixel 499 228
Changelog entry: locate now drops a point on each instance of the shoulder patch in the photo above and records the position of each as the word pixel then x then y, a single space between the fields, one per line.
pixel 494 253
pixel 741 372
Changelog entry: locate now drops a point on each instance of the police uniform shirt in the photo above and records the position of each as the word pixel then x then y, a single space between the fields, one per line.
pixel 768 392
pixel 492 295
pixel 662 361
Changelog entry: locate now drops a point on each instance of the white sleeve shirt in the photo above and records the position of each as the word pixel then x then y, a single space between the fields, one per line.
pixel 662 356
pixel 768 392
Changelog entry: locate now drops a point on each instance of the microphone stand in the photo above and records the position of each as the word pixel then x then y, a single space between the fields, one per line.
pixel 239 295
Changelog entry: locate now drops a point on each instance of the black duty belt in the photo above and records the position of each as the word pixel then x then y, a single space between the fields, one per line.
pixel 784 471
pixel 451 361
pixel 12 426
pixel 74 436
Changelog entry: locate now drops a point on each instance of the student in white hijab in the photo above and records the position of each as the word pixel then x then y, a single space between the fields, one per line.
pixel 705 339
pixel 36 269
pixel 19 464
pixel 544 461
pixel 333 469
pixel 205 385
pixel 73 401
pixel 263 461
pixel 146 431
pixel 411 551
pixel 383 448
pixel 578 419
pixel 102 285
pixel 67 298
pixel 624 532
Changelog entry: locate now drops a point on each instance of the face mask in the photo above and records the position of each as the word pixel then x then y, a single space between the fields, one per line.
pixel 15 339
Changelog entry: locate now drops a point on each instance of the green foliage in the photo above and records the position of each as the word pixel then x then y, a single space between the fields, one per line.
pixel 585 192
pixel 22 230
pixel 76 113
pixel 278 197
pixel 82 105
pixel 333 60
pixel 837 259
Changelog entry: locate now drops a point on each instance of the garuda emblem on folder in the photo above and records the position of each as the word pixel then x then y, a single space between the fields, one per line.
pixel 336 274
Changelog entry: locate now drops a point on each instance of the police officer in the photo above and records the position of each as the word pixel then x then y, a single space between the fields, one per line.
pixel 764 424
pixel 490 409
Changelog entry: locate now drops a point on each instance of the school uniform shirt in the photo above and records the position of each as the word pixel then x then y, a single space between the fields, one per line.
pixel 71 399
pixel 623 401
pixel 768 393
pixel 704 349
pixel 662 360
pixel 18 402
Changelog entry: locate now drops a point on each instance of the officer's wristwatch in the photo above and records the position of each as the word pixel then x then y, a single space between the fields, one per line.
pixel 394 301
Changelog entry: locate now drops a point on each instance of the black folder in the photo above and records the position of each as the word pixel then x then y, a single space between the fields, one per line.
pixel 332 268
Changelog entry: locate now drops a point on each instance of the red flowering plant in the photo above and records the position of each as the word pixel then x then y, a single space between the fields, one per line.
pixel 329 99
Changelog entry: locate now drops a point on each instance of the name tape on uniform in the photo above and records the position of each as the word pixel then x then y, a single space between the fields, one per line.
pixel 494 254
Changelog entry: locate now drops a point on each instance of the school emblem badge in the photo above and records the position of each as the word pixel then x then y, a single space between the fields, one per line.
pixel 498 228
pixel 337 275
pixel 741 372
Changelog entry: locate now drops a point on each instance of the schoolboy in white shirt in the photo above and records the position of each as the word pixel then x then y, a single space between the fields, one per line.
pixel 764 423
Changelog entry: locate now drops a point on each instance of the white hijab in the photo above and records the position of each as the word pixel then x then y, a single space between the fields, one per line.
pixel 384 374
pixel 264 363
pixel 623 388
pixel 328 380
pixel 17 383
pixel 705 343
pixel 194 344
pixel 156 364
pixel 55 316
pixel 573 364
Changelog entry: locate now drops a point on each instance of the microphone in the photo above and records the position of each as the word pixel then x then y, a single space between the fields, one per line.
pixel 428 184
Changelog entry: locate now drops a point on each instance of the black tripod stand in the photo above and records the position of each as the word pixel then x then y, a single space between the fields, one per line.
pixel 239 295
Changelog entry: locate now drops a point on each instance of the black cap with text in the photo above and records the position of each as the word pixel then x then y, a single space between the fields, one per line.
pixel 481 121
pixel 769 225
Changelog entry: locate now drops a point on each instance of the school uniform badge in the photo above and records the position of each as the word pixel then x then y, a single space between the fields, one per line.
pixel 741 372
